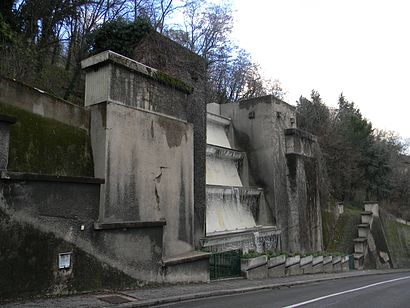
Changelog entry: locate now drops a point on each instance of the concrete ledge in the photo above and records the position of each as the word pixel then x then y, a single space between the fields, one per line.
pixel 28 98
pixel 20 176
pixel 317 260
pixel 218 119
pixel 260 272
pixel 185 258
pixel 222 152
pixel 300 133
pixel 248 264
pixel 276 261
pixel 128 225
pixel 318 268
pixel 290 261
pixel 293 270
pixel 306 260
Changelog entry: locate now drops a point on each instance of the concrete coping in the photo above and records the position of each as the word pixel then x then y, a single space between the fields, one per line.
pixel 365 226
pixel 327 259
pixel 360 240
pixel 317 260
pixel 191 256
pixel 276 261
pixel 366 213
pixel 336 259
pixel 21 176
pixel 227 153
pixel 218 119
pixel 345 259
pixel 247 264
pixel 370 202
pixel 292 261
pixel 300 133
pixel 306 260
pixel 128 225
pixel 7 119
pixel 358 255
pixel 134 66
pixel 251 231
pixel 249 191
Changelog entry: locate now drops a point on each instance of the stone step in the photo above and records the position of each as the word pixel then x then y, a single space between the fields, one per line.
pixel 363 226
pixel 366 217
pixel 360 240
pixel 223 152
pixel 360 245
pixel 363 230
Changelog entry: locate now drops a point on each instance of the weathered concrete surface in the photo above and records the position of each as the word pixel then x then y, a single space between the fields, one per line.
pixel 42 216
pixel 277 271
pixel 328 264
pixel 306 264
pixel 192 268
pixel 5 122
pixel 158 51
pixel 260 272
pixel 247 264
pixel 317 264
pixel 147 161
pixel 254 268
pixel 292 266
pixel 280 160
pixel 345 263
pixel 257 239
pixel 131 83
pixel 42 103
pixel 372 206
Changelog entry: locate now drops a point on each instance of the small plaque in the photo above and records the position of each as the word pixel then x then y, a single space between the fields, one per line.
pixel 64 260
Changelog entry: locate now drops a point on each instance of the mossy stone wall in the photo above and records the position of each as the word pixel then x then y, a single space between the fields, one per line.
pixel 46 146
pixel 29 265
pixel 398 240
pixel 338 234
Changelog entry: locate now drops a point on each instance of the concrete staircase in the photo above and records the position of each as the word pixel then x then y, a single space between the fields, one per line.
pixel 361 243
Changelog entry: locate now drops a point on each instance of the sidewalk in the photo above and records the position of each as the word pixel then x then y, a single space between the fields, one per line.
pixel 145 297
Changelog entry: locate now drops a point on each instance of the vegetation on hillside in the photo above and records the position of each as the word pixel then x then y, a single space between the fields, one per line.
pixel 43 42
pixel 362 163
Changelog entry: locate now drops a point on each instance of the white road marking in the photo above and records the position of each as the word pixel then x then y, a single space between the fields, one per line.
pixel 344 292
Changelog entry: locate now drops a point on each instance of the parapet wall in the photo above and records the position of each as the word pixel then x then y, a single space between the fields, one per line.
pixel 39 102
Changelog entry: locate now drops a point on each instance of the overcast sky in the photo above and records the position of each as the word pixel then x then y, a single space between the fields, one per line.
pixel 358 47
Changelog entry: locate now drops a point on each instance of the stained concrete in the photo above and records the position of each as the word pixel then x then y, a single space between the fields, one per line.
pixel 5 122
pixel 39 102
pixel 283 161
pixel 147 160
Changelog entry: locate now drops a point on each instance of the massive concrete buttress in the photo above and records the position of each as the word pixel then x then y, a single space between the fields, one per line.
pixel 282 160
pixel 143 147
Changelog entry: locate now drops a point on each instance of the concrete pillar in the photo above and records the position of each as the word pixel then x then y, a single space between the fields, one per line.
pixel 5 122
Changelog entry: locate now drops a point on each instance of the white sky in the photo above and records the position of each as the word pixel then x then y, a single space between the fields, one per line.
pixel 358 47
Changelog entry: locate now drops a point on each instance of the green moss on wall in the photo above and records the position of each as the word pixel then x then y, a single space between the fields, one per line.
pixel 29 265
pixel 398 239
pixel 46 146
pixel 172 82
pixel 340 234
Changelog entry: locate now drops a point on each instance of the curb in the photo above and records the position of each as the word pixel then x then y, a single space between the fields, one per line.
pixel 214 293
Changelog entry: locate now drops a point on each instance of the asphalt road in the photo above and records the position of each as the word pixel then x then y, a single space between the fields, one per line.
pixel 388 290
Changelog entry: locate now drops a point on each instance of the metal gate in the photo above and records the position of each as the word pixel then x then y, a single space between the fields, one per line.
pixel 225 264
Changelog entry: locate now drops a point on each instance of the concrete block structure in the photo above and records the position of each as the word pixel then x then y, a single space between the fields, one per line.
pixel 282 160
pixel 276 266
